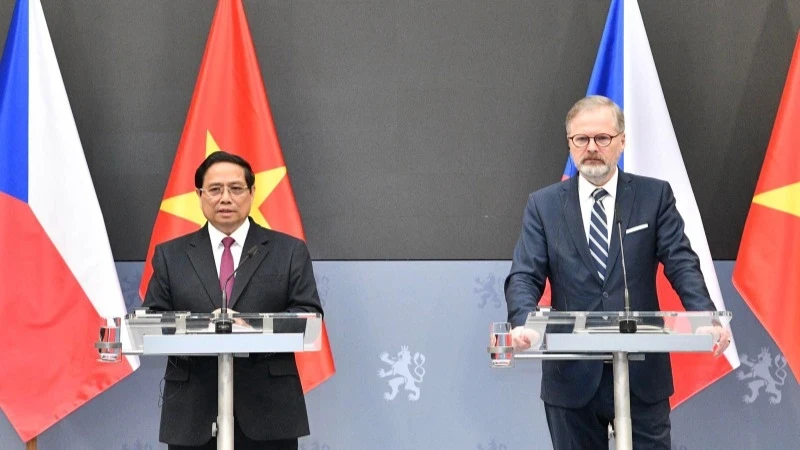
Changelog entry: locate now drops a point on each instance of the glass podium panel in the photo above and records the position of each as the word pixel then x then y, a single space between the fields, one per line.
pixel 615 336
pixel 186 333
pixel 599 332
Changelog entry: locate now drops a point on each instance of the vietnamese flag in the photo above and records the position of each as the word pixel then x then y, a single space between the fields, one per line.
pixel 767 267
pixel 230 111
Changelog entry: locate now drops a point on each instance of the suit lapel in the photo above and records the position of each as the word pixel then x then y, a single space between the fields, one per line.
pixel 624 206
pixel 202 258
pixel 256 237
pixel 574 220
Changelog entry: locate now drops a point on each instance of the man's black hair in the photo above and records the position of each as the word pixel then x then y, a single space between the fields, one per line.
pixel 219 157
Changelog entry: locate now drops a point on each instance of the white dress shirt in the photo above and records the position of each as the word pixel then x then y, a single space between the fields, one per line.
pixel 236 249
pixel 585 189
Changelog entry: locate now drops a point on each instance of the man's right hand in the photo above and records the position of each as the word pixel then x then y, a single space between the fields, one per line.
pixel 522 338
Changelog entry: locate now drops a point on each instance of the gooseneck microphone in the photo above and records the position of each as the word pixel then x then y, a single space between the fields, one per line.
pixel 224 324
pixel 626 324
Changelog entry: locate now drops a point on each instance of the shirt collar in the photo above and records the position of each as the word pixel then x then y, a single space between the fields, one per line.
pixel 585 188
pixel 239 235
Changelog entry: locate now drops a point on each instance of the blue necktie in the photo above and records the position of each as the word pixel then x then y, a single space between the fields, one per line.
pixel 598 233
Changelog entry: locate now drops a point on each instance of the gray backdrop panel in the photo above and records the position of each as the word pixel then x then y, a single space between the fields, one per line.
pixel 441 311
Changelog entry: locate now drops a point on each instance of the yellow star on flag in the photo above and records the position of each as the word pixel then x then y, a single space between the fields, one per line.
pixel 187 206
pixel 785 199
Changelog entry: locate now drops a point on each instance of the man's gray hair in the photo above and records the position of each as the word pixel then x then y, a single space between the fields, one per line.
pixel 596 101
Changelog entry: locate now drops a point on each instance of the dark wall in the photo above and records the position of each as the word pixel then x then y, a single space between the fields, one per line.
pixel 416 129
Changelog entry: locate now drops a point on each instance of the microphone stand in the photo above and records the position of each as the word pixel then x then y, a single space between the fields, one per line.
pixel 626 324
pixel 224 324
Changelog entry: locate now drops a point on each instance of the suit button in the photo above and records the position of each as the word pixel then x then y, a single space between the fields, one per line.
pixel 605 294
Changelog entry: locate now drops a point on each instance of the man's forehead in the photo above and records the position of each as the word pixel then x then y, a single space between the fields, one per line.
pixel 595 116
pixel 224 172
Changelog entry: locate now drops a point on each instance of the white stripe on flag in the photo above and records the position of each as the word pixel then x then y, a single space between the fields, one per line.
pixel 655 152
pixel 61 193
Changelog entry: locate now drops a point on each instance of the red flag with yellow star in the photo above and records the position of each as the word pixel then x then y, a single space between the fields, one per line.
pixel 229 111
pixel 769 255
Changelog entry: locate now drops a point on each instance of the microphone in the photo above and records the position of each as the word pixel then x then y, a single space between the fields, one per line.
pixel 224 324
pixel 626 324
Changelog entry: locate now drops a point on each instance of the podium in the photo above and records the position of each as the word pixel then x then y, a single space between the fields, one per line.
pixel 193 334
pixel 596 335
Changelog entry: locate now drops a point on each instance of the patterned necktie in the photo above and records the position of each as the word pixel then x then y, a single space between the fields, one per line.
pixel 598 233
pixel 226 267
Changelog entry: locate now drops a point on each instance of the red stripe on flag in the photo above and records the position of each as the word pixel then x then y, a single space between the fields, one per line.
pixel 691 372
pixel 50 365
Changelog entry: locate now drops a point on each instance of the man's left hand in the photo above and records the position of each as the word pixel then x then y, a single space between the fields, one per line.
pixel 720 335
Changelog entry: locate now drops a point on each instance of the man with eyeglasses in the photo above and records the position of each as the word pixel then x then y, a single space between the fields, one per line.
pixel 189 274
pixel 569 236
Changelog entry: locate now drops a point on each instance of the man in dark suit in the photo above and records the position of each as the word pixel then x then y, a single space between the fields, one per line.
pixel 269 407
pixel 569 235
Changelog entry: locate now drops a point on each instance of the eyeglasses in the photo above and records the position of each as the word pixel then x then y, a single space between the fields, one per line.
pixel 216 191
pixel 602 139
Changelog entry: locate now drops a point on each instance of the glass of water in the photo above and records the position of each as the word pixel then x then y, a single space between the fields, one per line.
pixel 502 351
pixel 109 347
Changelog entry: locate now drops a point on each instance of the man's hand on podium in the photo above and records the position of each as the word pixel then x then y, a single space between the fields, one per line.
pixel 719 334
pixel 237 321
pixel 522 338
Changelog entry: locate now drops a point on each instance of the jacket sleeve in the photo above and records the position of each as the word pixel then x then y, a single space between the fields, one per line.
pixel 530 267
pixel 158 295
pixel 303 295
pixel 674 251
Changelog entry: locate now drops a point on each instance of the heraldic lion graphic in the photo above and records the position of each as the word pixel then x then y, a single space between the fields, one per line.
pixel 762 375
pixel 401 371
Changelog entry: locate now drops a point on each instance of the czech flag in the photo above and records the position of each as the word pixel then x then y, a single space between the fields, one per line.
pixel 625 72
pixel 58 279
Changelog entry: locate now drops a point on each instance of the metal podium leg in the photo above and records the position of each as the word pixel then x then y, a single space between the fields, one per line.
pixel 225 402
pixel 623 432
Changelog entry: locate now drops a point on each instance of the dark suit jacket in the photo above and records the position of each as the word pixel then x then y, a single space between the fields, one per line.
pixel 553 245
pixel 268 398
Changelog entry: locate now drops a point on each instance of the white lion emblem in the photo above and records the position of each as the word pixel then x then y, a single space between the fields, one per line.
pixel 762 375
pixel 401 371
pixel 488 290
